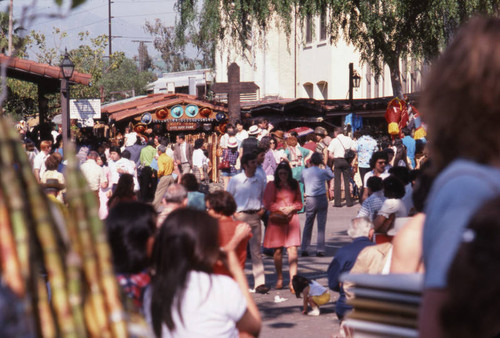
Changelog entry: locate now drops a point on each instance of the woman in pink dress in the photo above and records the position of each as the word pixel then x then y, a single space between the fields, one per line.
pixel 282 196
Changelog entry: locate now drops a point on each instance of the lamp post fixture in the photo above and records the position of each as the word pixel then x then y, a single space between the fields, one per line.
pixel 67 68
pixel 354 81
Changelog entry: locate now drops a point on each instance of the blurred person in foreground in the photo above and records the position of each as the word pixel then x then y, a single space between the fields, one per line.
pixel 462 92
pixel 187 299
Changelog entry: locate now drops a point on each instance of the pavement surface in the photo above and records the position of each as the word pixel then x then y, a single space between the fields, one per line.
pixel 285 319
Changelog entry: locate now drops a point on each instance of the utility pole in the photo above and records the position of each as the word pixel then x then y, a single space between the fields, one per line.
pixel 11 9
pixel 109 27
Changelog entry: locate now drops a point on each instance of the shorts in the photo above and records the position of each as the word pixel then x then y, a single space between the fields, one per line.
pixel 323 299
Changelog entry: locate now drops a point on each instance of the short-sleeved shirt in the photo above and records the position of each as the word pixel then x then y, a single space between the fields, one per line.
pixel 211 306
pixel 456 194
pixel 369 174
pixel 410 145
pixel 248 192
pixel 365 147
pixel 39 162
pixel 147 155
pixel 94 174
pixel 314 179
pixel 340 144
pixel 372 205
pixel 317 289
pixel 393 206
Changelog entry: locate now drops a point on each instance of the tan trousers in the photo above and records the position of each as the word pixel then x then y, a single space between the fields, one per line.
pixel 255 246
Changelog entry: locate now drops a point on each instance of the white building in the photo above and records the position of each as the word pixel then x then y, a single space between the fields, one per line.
pixel 307 65
pixel 193 82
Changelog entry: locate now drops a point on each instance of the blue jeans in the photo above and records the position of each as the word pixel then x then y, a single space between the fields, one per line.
pixel 316 206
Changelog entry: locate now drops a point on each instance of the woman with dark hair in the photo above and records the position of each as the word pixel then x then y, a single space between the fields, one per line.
pixel 130 229
pixel 124 191
pixel 460 107
pixel 187 299
pixel 400 158
pixel 230 155
pixel 196 199
pixel 393 206
pixel 221 205
pixel 282 198
pixel 269 164
pixel 297 156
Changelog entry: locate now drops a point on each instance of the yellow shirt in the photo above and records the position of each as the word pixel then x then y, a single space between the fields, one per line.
pixel 165 165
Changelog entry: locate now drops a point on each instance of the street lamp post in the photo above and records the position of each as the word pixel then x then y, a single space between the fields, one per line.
pixel 67 68
pixel 354 81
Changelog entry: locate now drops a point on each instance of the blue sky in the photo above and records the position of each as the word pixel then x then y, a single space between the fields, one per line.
pixel 92 16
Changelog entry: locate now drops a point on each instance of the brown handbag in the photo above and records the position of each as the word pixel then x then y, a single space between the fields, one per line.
pixel 224 164
pixel 278 217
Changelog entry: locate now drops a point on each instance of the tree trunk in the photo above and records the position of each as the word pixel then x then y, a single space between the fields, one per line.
pixel 397 89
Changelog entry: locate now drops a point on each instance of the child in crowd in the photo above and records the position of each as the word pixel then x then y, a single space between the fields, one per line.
pixel 314 294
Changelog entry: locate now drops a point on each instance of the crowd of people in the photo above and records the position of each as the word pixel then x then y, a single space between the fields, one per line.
pixel 179 240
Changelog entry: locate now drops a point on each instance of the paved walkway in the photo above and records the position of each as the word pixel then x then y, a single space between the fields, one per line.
pixel 285 319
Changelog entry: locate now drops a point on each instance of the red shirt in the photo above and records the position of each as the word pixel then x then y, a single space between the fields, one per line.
pixel 227 227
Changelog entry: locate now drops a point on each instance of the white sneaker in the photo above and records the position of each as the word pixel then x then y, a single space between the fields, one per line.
pixel 314 312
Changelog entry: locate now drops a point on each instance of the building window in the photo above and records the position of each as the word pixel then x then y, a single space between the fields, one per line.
pixel 309 29
pixel 323 89
pixel 309 89
pixel 322 27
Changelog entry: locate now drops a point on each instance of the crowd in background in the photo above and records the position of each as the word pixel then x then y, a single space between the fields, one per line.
pixel 417 215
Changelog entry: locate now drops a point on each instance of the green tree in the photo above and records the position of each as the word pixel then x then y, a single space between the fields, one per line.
pixel 145 61
pixel 22 96
pixel 382 31
pixel 126 78
pixel 173 50
pixel 18 41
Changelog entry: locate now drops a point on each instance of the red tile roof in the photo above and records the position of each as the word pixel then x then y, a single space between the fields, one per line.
pixel 130 108
pixel 42 69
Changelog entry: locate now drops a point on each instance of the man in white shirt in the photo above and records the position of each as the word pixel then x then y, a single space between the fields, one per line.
pixel 337 149
pixel 39 160
pixel 378 164
pixel 247 189
pixel 94 173
pixel 117 165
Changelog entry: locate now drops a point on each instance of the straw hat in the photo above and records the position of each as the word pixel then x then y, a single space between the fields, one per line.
pixel 232 142
pixel 278 134
pixel 254 130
